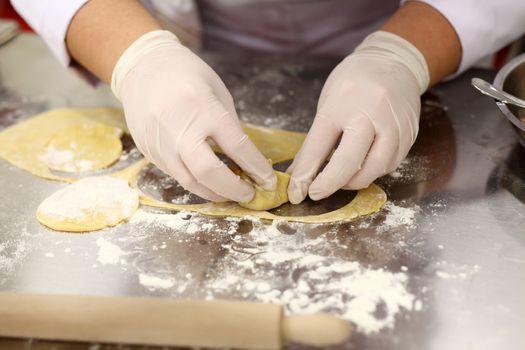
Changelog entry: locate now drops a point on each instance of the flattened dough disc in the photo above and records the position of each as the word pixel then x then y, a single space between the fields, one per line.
pixel 90 204
pixel 25 143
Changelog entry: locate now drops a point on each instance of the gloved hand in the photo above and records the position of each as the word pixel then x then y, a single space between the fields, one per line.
pixel 173 102
pixel 371 103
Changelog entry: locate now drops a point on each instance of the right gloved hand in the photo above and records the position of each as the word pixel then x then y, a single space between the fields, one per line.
pixel 371 103
pixel 173 102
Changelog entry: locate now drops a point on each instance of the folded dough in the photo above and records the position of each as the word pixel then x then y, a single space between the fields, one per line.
pixel 266 200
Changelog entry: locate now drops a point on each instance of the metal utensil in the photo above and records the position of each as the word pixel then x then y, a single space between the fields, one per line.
pixel 510 78
pixel 488 89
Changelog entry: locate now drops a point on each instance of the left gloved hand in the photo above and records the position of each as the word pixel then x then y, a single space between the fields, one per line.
pixel 371 102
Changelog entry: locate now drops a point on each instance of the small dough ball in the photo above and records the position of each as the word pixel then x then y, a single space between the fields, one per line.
pixel 83 147
pixel 89 204
pixel 265 200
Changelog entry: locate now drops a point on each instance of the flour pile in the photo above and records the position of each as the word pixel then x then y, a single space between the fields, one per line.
pixel 65 161
pixel 269 266
pixel 108 253
pixel 305 268
pixel 153 282
pixel 398 216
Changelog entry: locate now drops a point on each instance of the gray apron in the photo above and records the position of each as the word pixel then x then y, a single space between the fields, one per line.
pixel 312 27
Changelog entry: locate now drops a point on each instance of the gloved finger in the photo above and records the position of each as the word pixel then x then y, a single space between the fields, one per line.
pixel 407 133
pixel 237 145
pixel 179 172
pixel 319 142
pixel 405 143
pixel 225 97
pixel 345 161
pixel 377 163
pixel 171 164
pixel 153 143
pixel 212 173
pixel 401 155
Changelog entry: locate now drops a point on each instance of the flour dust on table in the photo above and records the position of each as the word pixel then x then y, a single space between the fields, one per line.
pixel 278 262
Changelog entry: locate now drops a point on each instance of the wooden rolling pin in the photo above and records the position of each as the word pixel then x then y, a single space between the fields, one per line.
pixel 160 321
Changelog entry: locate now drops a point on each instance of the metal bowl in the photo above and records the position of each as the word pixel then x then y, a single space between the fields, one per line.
pixel 511 78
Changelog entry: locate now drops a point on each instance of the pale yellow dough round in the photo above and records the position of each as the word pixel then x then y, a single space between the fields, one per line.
pixel 83 147
pixel 89 204
pixel 24 144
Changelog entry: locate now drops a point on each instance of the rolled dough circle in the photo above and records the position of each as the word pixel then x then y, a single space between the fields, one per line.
pixel 83 147
pixel 89 204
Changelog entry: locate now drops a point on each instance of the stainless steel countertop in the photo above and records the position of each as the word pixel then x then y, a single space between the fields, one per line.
pixel 464 255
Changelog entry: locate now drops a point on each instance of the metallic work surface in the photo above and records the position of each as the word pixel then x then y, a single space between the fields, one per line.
pixel 464 253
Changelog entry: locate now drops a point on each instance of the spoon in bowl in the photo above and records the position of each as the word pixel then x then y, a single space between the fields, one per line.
pixel 488 89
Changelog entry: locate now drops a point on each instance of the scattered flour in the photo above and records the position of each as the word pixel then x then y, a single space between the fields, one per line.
pixel 65 159
pixel 152 282
pixel 395 174
pixel 448 271
pixel 11 252
pixel 411 169
pixel 108 253
pixel 184 199
pixel 398 216
pixel 182 221
pixel 401 169
pixel 266 265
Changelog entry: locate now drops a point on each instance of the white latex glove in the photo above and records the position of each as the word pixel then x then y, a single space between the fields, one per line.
pixel 173 102
pixel 371 103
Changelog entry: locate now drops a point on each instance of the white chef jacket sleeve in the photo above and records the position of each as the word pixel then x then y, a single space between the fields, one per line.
pixel 483 26
pixel 50 19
